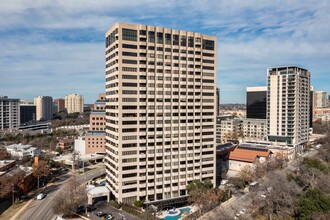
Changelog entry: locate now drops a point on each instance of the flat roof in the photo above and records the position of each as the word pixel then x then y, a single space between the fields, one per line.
pixel 256 89
pixel 98 190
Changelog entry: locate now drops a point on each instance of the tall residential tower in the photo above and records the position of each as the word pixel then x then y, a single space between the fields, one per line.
pixel 74 103
pixel 288 105
pixel 44 108
pixel 160 112
pixel 9 113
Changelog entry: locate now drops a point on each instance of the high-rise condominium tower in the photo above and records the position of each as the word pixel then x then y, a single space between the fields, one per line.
pixel 44 107
pixel 160 112
pixel 288 105
pixel 320 99
pixel 74 103
pixel 9 113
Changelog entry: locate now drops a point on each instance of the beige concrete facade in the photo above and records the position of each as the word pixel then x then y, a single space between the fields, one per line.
pixel 288 105
pixel 320 99
pixel 254 129
pixel 74 103
pixel 161 100
pixel 44 107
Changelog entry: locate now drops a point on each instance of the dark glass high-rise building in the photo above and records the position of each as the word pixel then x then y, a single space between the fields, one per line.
pixel 256 102
pixel 28 113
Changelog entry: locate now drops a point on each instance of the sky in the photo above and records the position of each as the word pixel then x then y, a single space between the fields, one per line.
pixel 56 47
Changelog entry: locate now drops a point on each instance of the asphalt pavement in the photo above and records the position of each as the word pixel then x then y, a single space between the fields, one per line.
pixel 42 209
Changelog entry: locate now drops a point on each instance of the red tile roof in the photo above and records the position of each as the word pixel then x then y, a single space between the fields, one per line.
pixel 247 155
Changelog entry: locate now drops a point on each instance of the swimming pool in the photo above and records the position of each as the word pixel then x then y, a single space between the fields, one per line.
pixel 103 182
pixel 182 210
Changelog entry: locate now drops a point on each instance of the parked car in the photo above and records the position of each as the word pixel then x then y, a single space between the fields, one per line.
pixel 40 196
pixel 108 217
pixel 100 214
pixel 90 208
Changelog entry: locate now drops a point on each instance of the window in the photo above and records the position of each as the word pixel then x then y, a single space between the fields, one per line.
pixel 176 39
pixel 130 46
pixel 130 61
pixel 183 41
pixel 143 32
pixel 129 34
pixel 151 36
pixel 168 39
pixel 159 38
pixel 190 42
pixel 208 44
pixel 129 54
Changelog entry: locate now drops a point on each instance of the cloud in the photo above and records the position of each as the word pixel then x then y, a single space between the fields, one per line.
pixel 58 46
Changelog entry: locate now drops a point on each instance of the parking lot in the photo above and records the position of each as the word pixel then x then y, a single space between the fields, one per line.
pixel 107 208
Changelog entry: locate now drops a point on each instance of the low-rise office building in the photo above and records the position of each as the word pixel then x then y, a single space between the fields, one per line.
pixel 21 150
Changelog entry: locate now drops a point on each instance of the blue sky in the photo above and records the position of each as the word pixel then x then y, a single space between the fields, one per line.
pixel 56 47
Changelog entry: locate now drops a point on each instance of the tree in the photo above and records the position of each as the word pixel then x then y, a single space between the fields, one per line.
pixel 279 195
pixel 74 196
pixel 203 195
pixel 247 174
pixel 313 201
pixel 10 182
pixel 40 170
pixel 4 155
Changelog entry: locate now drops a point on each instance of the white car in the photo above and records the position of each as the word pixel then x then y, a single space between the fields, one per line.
pixel 40 196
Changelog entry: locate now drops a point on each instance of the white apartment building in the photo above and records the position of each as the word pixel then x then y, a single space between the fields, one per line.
pixel 160 112
pixel 74 103
pixel 9 113
pixel 44 108
pixel 288 105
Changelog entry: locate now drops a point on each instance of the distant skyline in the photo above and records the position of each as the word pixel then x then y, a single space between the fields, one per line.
pixel 57 47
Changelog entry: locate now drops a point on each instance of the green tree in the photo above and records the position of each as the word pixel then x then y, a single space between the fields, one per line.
pixel 313 201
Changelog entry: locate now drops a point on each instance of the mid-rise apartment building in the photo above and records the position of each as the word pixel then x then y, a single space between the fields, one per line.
pixel 74 103
pixel 44 108
pixel 254 129
pixel 95 137
pixel 288 105
pixel 59 105
pixel 230 130
pixel 9 113
pixel 160 112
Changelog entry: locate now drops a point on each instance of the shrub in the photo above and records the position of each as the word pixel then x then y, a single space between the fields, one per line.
pixel 138 203
pixel 238 183
pixel 115 204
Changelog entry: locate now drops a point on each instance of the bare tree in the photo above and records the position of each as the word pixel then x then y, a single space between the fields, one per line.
pixel 247 173
pixel 74 196
pixel 276 196
pixel 10 183
pixel 40 170
pixel 4 155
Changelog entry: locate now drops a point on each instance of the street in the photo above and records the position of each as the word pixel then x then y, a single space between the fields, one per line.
pixel 42 209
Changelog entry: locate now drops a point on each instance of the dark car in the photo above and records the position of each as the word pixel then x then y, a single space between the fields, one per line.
pixel 90 208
